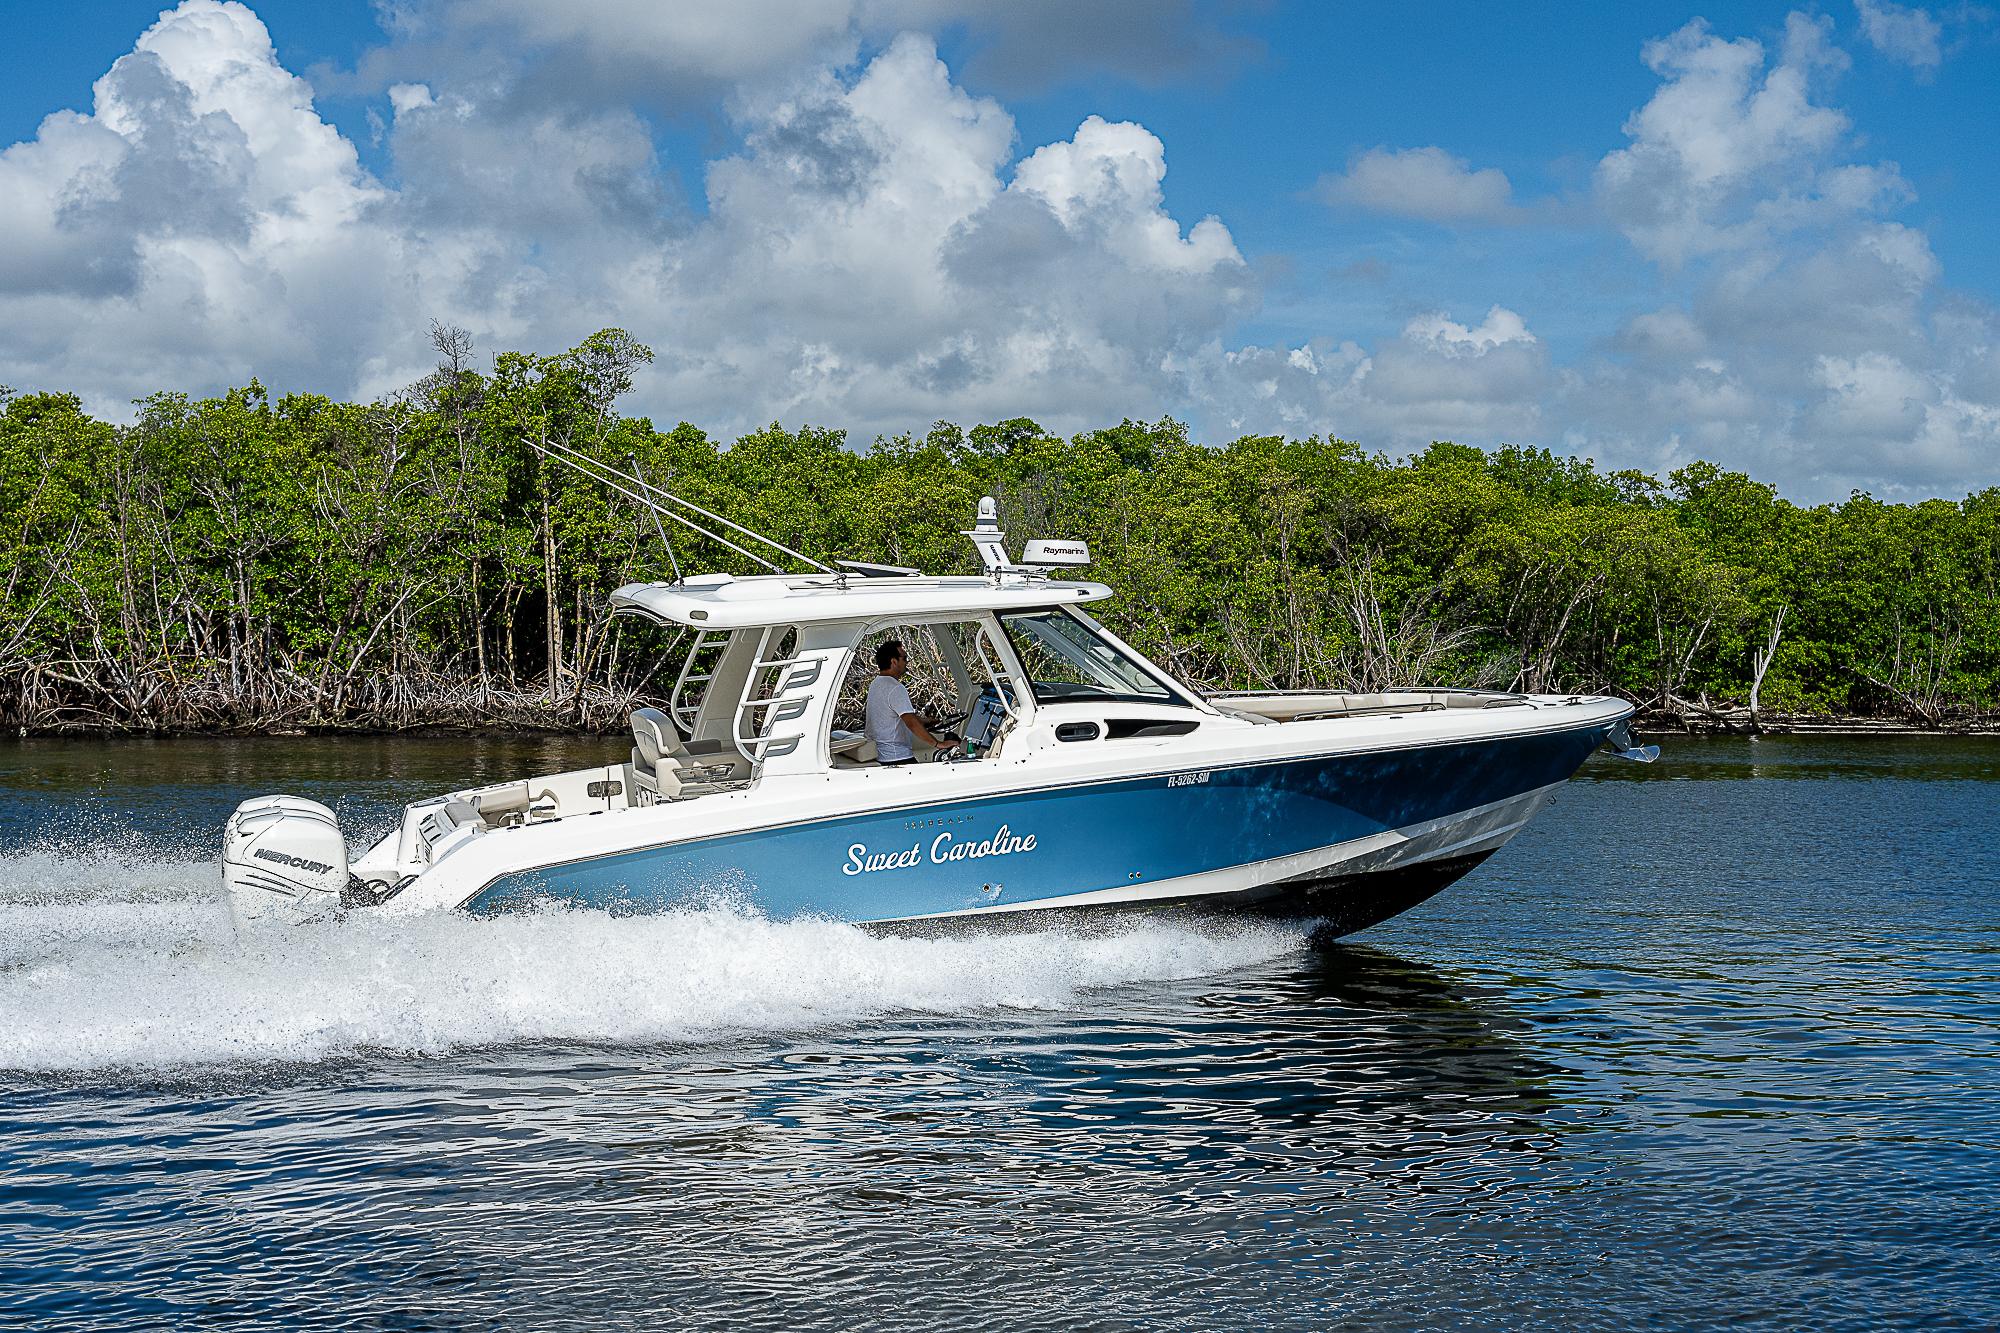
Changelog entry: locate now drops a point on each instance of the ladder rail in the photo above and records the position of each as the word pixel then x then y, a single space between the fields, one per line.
pixel 751 747
pixel 783 675
pixel 684 712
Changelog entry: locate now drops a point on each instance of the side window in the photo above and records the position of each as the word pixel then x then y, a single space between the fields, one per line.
pixel 1068 661
pixel 932 687
pixel 948 676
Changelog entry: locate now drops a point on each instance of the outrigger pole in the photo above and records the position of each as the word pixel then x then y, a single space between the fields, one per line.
pixel 658 527
pixel 625 482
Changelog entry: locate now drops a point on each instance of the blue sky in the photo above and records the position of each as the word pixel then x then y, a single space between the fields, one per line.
pixel 1645 233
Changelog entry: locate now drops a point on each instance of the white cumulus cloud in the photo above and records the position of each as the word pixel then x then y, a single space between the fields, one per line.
pixel 1729 149
pixel 1425 183
pixel 1906 35
pixel 1805 332
pixel 201 222
pixel 1454 339
pixel 1808 343
pixel 875 249
pixel 870 257
pixel 689 55
pixel 1438 380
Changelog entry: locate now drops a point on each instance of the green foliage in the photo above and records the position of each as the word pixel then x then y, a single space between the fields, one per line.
pixel 234 562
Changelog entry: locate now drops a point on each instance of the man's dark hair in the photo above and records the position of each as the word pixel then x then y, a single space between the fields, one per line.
pixel 890 650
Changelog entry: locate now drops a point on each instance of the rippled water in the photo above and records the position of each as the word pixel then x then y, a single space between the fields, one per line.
pixel 1714 1042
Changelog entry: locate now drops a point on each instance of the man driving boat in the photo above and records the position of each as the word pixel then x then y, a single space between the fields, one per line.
pixel 893 723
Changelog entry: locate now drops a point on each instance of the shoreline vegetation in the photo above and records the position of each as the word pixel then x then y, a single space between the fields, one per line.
pixel 1645 724
pixel 236 565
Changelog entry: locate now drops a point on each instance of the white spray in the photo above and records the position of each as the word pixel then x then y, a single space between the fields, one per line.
pixel 109 963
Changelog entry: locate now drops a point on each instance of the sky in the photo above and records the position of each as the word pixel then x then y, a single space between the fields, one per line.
pixel 1642 233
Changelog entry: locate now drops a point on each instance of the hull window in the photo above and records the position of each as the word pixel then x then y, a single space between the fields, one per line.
pixel 1119 728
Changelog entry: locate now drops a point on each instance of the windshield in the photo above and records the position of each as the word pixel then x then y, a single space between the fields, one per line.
pixel 1067 660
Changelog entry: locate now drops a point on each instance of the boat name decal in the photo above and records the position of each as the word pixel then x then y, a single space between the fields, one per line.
pixel 295 862
pixel 944 849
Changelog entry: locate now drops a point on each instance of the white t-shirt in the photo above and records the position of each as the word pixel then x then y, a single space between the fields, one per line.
pixel 887 702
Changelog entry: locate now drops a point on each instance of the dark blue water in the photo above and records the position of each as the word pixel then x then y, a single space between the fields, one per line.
pixel 1712 1043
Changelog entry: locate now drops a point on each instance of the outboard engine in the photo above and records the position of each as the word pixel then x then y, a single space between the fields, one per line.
pixel 283 860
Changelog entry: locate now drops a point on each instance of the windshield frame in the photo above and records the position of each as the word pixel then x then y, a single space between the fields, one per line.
pixel 1172 694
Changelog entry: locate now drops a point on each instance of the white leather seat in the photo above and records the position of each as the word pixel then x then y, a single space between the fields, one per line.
pixel 851 749
pixel 663 768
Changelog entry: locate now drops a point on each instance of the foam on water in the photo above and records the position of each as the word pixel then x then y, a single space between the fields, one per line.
pixel 109 962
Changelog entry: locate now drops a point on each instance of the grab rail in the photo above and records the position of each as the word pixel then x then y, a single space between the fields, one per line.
pixel 782 675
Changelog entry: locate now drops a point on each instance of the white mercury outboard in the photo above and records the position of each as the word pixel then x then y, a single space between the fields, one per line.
pixel 283 860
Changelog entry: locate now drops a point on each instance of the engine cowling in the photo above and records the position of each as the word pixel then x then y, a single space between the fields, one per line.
pixel 284 860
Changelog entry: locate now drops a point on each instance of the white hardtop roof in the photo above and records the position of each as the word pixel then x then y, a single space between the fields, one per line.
pixel 718 601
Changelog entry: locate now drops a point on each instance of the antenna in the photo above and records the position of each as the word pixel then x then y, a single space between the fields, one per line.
pixel 988 538
pixel 1042 555
pixel 625 483
pixel 658 527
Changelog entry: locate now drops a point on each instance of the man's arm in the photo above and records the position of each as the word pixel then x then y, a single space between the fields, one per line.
pixel 924 733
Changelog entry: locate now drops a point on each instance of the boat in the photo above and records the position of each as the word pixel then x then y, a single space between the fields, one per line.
pixel 1080 776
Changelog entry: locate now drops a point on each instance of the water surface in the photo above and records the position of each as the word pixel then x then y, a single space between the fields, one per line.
pixel 1713 1042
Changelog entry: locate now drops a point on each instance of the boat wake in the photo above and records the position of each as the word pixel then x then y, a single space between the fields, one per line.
pixel 110 962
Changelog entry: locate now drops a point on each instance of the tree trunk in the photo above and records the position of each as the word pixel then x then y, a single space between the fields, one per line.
pixel 1760 660
pixel 478 636
pixel 551 602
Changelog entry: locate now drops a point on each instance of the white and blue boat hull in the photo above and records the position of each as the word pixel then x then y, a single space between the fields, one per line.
pixel 1321 833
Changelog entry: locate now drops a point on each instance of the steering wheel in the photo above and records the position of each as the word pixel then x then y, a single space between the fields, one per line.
pixel 948 725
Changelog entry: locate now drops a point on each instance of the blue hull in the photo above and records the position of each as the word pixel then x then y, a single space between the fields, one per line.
pixel 1045 846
